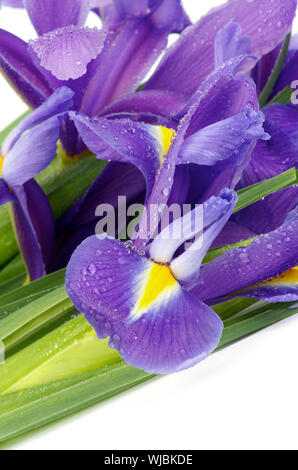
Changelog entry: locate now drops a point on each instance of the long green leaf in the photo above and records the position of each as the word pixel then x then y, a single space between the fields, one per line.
pixel 17 298
pixel 71 349
pixel 255 320
pixel 30 408
pixel 12 322
pixel 27 410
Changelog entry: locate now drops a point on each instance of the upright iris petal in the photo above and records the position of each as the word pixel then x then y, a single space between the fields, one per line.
pixel 230 43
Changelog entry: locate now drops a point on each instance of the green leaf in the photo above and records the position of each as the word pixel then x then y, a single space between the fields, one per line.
pixel 263 98
pixel 71 349
pixel 284 97
pixel 18 318
pixel 47 403
pixel 229 308
pixel 256 319
pixel 13 275
pixel 254 193
pixel 15 299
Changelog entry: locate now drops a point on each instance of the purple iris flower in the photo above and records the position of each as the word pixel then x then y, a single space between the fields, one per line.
pixel 26 151
pixel 99 65
pixel 143 302
pixel 155 307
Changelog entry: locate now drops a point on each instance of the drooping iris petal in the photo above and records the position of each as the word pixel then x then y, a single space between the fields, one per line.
pixel 154 323
pixel 226 140
pixel 281 289
pixel 26 235
pixel 265 22
pixel 18 68
pixel 5 194
pixel 123 140
pixel 267 257
pixel 269 159
pixel 216 213
pixel 58 103
pixel 67 51
pixel 47 15
pixel 41 218
pixel 230 43
pixel 32 152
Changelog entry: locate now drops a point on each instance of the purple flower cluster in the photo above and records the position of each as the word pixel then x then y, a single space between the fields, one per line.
pixel 192 133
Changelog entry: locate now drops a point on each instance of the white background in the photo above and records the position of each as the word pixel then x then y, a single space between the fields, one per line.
pixel 244 397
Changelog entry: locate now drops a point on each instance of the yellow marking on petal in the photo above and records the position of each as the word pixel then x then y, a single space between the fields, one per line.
pixel 159 283
pixel 288 277
pixel 1 164
pixel 165 137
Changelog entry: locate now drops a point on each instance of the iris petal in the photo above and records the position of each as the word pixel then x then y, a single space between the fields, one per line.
pixel 123 140
pixel 5 193
pixel 151 320
pixel 266 258
pixel 17 66
pixel 284 288
pixel 67 51
pixel 230 43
